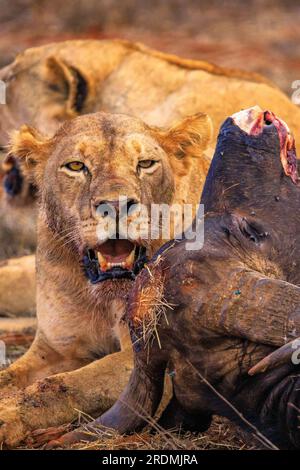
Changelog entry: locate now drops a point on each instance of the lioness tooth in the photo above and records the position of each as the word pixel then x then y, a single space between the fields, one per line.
pixel 105 265
pixel 102 261
pixel 130 259
pixel 113 265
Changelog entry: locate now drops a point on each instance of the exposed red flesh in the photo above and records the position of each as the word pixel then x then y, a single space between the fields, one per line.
pixel 258 125
pixel 287 142
pixel 287 146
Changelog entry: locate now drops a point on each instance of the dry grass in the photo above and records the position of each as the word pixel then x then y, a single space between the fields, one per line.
pixel 149 305
pixel 222 435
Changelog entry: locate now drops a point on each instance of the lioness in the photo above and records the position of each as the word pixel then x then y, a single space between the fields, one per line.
pixel 50 84
pixel 91 161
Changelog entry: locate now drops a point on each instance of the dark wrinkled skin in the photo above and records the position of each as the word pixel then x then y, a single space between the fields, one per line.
pixel 236 300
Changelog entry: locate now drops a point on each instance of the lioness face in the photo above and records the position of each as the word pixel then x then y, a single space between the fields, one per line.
pixel 98 175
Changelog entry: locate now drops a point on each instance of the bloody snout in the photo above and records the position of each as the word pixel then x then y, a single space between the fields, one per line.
pixel 253 120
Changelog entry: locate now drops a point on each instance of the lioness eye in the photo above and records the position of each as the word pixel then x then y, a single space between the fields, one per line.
pixel 146 163
pixel 75 166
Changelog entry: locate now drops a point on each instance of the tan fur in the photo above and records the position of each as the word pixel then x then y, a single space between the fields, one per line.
pixel 125 77
pixel 17 326
pixel 78 321
pixel 17 273
pixel 17 226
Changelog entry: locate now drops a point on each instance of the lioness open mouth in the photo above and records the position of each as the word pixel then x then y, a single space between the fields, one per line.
pixel 114 259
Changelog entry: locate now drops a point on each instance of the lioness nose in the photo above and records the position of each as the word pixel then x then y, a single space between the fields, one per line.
pixel 119 207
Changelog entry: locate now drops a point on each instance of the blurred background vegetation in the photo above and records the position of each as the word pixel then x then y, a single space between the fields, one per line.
pixel 259 35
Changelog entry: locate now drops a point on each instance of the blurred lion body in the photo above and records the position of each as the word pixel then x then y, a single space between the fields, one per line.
pixel 49 84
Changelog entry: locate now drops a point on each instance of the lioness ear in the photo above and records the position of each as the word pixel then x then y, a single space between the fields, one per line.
pixel 68 83
pixel 189 138
pixel 30 149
